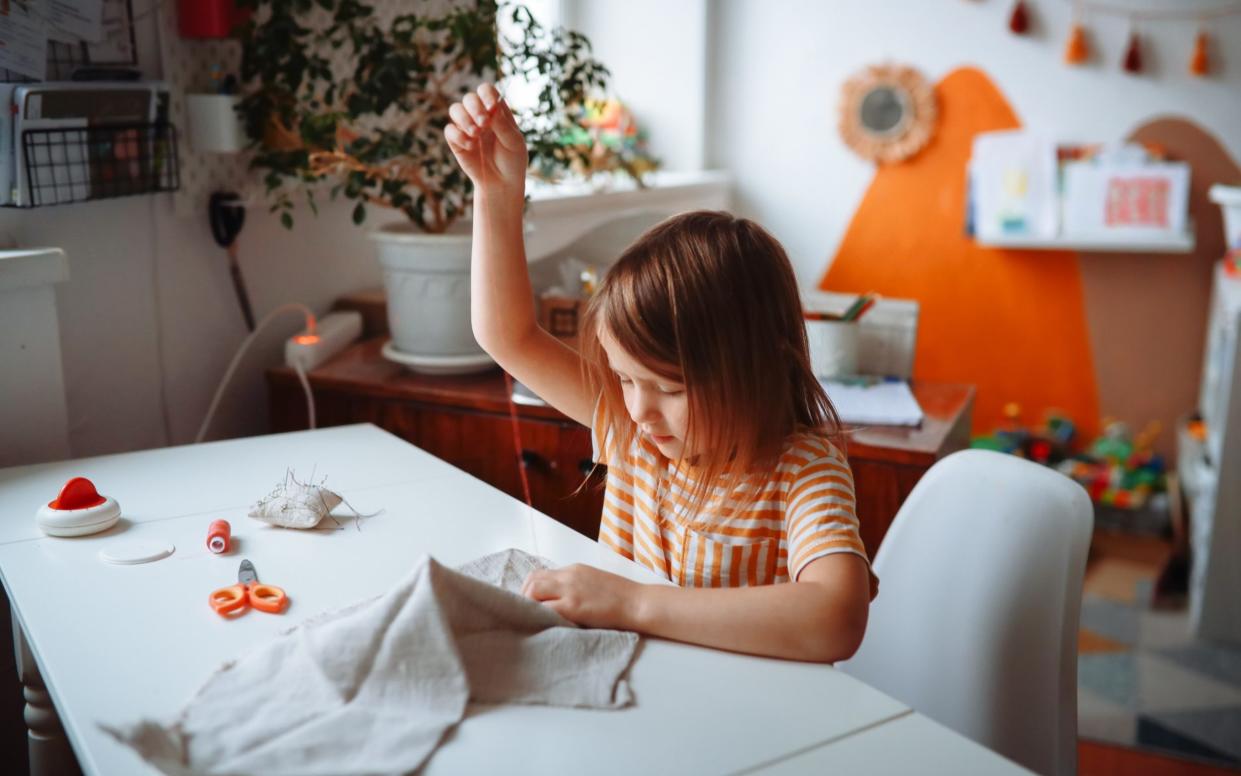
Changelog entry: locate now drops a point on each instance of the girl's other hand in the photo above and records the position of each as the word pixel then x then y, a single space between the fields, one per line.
pixel 487 142
pixel 586 595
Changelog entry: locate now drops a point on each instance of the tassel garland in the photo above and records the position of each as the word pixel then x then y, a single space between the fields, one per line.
pixel 1019 20
pixel 1133 54
pixel 1199 64
pixel 1077 46
pixel 1077 50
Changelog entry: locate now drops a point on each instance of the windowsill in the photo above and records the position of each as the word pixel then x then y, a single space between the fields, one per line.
pixel 560 213
pixel 570 196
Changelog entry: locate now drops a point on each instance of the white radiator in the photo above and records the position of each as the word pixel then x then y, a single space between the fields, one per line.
pixel 34 423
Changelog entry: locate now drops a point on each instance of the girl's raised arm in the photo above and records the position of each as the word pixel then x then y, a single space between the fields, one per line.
pixel 489 146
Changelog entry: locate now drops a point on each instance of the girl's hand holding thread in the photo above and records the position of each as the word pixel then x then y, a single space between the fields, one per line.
pixel 586 595
pixel 487 142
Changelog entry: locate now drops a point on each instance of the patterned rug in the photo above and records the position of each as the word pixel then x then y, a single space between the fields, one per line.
pixel 1143 679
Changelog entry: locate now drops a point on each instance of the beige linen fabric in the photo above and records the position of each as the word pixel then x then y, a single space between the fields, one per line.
pixel 373 688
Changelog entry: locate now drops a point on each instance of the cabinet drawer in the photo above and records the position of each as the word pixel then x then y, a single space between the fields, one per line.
pixel 554 454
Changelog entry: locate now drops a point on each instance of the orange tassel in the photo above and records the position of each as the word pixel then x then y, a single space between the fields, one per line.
pixel 1076 51
pixel 1133 54
pixel 1199 63
pixel 1019 21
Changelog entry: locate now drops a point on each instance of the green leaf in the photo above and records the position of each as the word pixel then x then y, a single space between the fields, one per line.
pixel 286 219
pixel 398 68
pixel 359 213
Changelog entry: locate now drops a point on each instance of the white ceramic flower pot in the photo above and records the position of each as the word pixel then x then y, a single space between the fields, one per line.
pixel 427 280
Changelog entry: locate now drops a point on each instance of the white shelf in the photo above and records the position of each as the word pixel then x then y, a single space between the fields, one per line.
pixel 1177 243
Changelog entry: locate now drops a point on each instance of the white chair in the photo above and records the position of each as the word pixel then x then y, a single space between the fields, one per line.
pixel 975 625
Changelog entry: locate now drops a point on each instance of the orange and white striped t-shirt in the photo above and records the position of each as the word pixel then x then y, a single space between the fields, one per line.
pixel 804 510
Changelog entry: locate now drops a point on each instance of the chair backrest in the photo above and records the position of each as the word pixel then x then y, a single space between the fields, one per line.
pixel 975 625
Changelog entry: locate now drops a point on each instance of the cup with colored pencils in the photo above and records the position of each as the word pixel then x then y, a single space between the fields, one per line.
pixel 833 338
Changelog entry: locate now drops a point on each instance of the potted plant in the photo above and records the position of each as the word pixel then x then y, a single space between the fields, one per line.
pixel 335 94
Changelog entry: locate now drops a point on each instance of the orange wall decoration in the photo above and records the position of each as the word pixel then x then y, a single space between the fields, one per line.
pixel 1010 322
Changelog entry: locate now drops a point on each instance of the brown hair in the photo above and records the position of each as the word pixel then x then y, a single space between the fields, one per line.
pixel 710 301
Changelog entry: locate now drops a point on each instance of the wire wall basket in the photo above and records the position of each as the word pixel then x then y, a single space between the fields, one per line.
pixel 75 164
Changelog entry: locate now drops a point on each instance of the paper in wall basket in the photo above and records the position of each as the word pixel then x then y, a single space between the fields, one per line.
pixel 1013 181
pixel 1124 197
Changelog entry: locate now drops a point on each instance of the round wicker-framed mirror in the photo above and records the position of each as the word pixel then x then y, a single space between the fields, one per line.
pixel 887 113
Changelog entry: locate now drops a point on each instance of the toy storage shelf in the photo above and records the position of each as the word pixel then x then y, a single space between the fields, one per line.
pixel 1177 243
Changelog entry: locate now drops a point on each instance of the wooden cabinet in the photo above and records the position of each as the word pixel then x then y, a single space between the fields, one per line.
pixel 465 421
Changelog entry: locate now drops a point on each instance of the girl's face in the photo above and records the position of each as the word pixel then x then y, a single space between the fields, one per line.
pixel 658 406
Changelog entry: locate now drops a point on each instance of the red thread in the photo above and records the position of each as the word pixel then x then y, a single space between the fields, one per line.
pixel 219 534
pixel 512 413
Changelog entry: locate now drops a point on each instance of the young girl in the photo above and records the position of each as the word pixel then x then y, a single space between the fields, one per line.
pixel 695 379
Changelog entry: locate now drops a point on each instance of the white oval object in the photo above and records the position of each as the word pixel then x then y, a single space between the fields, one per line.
pixel 133 553
pixel 78 522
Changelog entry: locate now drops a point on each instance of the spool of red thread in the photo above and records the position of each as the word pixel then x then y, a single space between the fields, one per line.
pixel 218 537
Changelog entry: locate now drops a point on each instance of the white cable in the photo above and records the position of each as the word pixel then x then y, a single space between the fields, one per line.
pixel 156 297
pixel 310 399
pixel 245 345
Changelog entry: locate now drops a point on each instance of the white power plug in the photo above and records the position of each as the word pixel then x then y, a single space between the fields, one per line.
pixel 329 336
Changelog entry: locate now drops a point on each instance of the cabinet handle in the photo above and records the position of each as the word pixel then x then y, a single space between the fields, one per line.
pixel 532 460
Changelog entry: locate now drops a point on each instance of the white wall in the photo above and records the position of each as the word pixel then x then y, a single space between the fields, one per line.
pixel 149 320
pixel 777 65
pixel 656 52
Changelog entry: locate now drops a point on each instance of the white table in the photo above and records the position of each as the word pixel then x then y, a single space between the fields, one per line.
pixel 118 643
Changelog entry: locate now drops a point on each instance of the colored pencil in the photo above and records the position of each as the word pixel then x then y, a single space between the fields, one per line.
pixel 866 307
pixel 853 308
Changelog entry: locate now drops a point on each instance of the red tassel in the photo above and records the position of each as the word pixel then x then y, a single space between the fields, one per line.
pixel 1133 54
pixel 1076 50
pixel 1019 21
pixel 1199 63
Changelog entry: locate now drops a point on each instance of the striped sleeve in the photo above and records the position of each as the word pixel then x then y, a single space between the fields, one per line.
pixel 821 515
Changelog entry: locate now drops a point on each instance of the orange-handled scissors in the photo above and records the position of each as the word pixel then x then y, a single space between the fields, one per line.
pixel 248 592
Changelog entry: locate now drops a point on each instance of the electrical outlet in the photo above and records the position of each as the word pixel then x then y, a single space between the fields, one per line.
pixel 331 335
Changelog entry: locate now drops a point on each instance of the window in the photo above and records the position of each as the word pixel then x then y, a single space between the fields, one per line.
pixel 520 92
